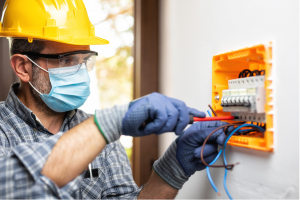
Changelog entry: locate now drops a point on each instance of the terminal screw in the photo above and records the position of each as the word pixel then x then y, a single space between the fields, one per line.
pixel 217 97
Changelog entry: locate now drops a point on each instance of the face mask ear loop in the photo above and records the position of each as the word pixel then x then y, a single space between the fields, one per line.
pixel 29 81
pixel 38 65
pixel 35 88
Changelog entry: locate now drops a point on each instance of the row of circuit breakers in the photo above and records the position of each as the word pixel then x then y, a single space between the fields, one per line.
pixel 245 99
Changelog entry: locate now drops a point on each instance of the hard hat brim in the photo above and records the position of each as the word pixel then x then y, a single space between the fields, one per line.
pixel 93 40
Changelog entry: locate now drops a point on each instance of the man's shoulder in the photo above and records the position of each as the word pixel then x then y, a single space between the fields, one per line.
pixel 6 126
pixel 83 114
pixel 79 117
pixel 4 112
pixel 2 105
pixel 2 108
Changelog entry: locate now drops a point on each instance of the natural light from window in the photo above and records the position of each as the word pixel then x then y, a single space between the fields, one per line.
pixel 112 78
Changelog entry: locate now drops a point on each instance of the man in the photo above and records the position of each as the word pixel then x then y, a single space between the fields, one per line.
pixel 44 153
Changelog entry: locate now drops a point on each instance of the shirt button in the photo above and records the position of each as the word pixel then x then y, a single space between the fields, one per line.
pixel 34 129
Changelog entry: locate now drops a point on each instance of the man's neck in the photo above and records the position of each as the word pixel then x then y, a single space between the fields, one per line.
pixel 52 123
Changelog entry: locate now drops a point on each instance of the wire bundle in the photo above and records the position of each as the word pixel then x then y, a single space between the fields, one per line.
pixel 248 73
pixel 227 167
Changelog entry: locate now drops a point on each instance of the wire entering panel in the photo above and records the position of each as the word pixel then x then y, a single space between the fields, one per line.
pixel 242 86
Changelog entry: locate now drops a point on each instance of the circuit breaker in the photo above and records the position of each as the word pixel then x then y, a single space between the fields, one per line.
pixel 242 86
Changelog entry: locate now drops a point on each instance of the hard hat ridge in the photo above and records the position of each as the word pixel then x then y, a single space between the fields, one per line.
pixel 64 21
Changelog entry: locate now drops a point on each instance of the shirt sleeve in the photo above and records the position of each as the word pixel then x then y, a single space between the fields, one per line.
pixel 21 176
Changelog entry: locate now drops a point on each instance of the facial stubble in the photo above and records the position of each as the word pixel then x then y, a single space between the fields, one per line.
pixel 42 83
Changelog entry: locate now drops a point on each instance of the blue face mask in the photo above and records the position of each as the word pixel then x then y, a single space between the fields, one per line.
pixel 70 88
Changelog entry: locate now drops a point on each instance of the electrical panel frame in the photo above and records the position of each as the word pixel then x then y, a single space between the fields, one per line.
pixel 227 66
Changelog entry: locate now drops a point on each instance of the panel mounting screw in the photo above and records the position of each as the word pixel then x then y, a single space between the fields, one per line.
pixel 217 97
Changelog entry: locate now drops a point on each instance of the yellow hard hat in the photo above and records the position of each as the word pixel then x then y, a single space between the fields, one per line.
pixel 64 21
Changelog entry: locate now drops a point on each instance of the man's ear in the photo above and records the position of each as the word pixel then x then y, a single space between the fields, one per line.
pixel 22 67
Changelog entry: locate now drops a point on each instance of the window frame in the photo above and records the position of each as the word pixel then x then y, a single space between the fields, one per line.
pixel 146 69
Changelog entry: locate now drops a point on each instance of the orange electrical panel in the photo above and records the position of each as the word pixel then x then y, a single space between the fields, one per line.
pixel 227 66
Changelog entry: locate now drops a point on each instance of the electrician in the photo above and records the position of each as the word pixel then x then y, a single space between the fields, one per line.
pixel 46 144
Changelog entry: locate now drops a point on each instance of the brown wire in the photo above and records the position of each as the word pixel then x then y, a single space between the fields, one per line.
pixel 226 166
pixel 212 110
pixel 230 166
pixel 205 141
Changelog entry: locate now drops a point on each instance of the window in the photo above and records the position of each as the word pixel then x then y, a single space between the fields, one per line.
pixel 112 79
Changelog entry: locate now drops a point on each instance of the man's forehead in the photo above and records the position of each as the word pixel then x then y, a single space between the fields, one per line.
pixel 57 48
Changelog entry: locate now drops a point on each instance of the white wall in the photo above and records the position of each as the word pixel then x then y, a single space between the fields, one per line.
pixel 192 32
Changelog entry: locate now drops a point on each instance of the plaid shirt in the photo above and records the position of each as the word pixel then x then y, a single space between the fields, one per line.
pixel 25 145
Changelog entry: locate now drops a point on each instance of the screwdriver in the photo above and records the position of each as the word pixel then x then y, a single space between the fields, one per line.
pixel 198 119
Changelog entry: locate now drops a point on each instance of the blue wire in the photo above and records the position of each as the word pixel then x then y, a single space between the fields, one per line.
pixel 208 172
pixel 209 113
pixel 224 181
pixel 224 156
pixel 219 154
pixel 207 168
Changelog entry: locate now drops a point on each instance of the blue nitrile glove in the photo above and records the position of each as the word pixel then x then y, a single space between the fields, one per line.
pixel 156 113
pixel 182 158
pixel 189 145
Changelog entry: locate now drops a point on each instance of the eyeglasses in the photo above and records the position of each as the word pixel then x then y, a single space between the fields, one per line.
pixel 70 59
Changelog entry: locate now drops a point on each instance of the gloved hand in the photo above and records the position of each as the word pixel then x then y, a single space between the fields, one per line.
pixel 189 145
pixel 182 158
pixel 156 113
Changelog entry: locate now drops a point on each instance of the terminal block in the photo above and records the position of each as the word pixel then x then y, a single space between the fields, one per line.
pixel 245 99
pixel 248 99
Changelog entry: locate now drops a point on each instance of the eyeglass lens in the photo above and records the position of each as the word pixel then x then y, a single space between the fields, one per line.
pixel 74 60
